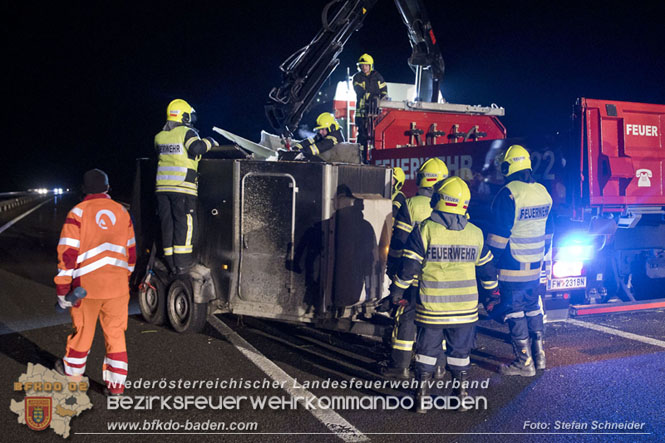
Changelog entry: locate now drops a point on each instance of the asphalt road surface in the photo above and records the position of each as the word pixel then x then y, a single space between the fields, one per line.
pixel 596 378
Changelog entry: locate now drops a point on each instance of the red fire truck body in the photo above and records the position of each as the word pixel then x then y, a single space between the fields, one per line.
pixel 606 181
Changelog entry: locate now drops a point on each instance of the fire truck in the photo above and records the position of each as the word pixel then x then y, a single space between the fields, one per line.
pixel 307 241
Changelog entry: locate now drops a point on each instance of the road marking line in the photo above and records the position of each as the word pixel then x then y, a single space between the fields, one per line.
pixel 629 335
pixel 331 419
pixel 9 224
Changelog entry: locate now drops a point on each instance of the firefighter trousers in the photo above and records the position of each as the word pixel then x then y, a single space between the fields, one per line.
pixel 524 311
pixel 404 333
pixel 459 342
pixel 362 135
pixel 112 314
pixel 177 213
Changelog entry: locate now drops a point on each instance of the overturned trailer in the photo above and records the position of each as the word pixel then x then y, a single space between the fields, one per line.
pixel 294 241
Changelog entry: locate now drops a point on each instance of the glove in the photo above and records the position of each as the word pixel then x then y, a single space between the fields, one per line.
pixel 385 305
pixel 213 141
pixel 393 300
pixel 493 299
pixel 392 268
pixel 64 304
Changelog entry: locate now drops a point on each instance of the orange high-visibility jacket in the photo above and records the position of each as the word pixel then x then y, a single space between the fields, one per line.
pixel 97 249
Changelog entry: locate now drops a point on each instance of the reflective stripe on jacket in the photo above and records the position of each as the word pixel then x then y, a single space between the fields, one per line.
pixel 448 292
pixel 176 169
pixel 415 210
pixel 97 249
pixel 525 231
pixel 532 206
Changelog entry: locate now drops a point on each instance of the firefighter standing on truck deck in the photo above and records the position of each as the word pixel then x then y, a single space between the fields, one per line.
pixel 519 238
pixel 97 251
pixel 370 88
pixel 444 252
pixel 329 133
pixel 179 148
pixel 415 210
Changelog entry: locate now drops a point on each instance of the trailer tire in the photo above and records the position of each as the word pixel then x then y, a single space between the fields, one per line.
pixel 185 315
pixel 152 301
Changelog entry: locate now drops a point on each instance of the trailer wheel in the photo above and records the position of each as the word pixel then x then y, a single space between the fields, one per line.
pixel 152 301
pixel 184 314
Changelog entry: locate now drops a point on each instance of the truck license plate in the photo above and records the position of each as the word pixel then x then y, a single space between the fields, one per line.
pixel 566 283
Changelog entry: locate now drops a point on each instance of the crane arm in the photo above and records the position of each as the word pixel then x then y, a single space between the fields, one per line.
pixel 305 71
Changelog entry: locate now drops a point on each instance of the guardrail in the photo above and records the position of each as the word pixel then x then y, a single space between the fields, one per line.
pixel 12 200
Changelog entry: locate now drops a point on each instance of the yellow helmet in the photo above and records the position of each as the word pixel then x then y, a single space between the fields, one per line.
pixel 399 177
pixel 180 111
pixel 366 59
pixel 432 171
pixel 515 159
pixel 453 196
pixel 326 121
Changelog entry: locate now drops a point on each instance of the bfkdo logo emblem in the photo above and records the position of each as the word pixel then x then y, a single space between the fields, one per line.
pixel 38 412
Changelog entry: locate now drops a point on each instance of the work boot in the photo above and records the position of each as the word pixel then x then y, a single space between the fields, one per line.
pixel 108 393
pixel 440 372
pixel 59 367
pixel 396 373
pixel 460 392
pixel 537 349
pixel 523 364
pixel 424 381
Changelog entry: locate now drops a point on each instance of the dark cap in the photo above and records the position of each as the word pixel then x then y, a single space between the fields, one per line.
pixel 95 181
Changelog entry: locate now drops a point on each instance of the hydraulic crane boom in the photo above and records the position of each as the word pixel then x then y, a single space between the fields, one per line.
pixel 307 69
pixel 426 59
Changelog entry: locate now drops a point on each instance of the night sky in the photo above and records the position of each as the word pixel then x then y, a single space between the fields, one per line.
pixel 89 83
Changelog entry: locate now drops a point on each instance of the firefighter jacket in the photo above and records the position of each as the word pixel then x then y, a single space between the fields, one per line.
pixel 399 200
pixel 444 252
pixel 368 87
pixel 313 146
pixel 521 232
pixel 179 148
pixel 415 210
pixel 97 249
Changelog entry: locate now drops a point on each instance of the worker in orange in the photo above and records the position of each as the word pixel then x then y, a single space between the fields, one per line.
pixel 97 251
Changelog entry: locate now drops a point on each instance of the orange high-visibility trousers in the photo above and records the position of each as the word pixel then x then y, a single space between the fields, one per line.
pixel 112 314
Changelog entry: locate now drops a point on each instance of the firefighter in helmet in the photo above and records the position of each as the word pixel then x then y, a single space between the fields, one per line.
pixel 415 210
pixel 329 133
pixel 445 252
pixel 179 148
pixel 519 237
pixel 370 88
pixel 398 197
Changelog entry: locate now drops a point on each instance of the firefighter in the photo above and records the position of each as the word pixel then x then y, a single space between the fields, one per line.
pixel 179 148
pixel 415 210
pixel 329 133
pixel 519 238
pixel 398 197
pixel 96 251
pixel 370 88
pixel 444 253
